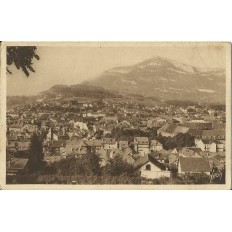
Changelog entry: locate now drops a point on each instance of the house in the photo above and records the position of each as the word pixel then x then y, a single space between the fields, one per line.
pixel 167 130
pixel 220 157
pixel 109 144
pixel 162 156
pixel 200 125
pixel 220 146
pixel 15 127
pixel 55 148
pixel 193 165
pixel 94 145
pixel 123 144
pixel 188 152
pixel 173 159
pixel 141 145
pixel 172 130
pixel 207 145
pixel 195 149
pixel 11 145
pixel 174 151
pixel 210 146
pixel 53 158
pixel 23 146
pixel 196 133
pixel 15 166
pixel 52 135
pixel 81 126
pixel 181 129
pixel 219 125
pixel 75 146
pixel 148 167
pixel 29 128
pixel 199 144
pixel 155 145
pixel 214 134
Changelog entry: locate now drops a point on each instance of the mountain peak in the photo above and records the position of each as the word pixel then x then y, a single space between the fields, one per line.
pixel 158 61
pixel 165 79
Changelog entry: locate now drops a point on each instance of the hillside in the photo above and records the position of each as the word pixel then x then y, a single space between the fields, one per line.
pixel 81 90
pixel 165 79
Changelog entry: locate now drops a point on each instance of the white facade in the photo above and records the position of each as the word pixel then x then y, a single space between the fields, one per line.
pixel 151 171
pixel 142 149
pixel 211 147
pixel 81 125
pixel 200 144
pixel 110 146
pixel 220 147
pixel 157 147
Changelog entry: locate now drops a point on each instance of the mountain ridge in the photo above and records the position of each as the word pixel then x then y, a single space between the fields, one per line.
pixel 165 79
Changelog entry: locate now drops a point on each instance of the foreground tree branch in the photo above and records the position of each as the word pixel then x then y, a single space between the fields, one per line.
pixel 21 57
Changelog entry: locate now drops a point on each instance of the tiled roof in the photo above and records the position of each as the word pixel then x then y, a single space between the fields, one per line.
pixel 196 149
pixel 181 129
pixel 155 143
pixel 18 163
pixel 214 132
pixel 207 141
pixel 141 140
pixel 109 140
pixel 193 164
pixel 195 132
pixel 94 143
pixel 59 143
pixel 145 159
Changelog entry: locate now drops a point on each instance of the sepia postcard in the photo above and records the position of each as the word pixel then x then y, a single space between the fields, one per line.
pixel 115 115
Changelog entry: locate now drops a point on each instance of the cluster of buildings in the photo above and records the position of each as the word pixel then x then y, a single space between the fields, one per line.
pixel 75 127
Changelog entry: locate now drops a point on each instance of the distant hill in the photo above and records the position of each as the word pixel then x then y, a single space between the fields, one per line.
pixel 165 79
pixel 17 101
pixel 80 90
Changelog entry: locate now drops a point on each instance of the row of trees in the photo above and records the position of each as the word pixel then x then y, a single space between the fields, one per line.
pixel 85 169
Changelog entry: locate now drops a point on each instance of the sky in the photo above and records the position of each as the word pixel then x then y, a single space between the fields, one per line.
pixel 74 64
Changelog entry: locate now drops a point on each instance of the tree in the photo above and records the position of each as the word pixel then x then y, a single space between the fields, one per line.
pixel 179 140
pixel 35 153
pixel 21 57
pixel 117 166
pixel 86 165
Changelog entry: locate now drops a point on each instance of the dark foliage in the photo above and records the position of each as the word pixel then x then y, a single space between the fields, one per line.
pixel 85 165
pixel 21 57
pixel 117 167
pixel 129 134
pixel 180 140
pixel 218 176
pixel 35 161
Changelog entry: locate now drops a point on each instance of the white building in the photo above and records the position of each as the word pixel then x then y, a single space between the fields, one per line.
pixel 148 167
pixel 141 145
pixel 155 145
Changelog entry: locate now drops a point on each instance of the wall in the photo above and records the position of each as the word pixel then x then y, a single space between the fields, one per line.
pixel 154 173
pixel 110 146
pixel 143 149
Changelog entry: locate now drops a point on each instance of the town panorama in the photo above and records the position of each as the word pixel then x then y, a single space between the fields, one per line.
pixel 155 122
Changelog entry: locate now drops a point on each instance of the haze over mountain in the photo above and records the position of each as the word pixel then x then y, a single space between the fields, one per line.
pixel 80 90
pixel 157 78
pixel 165 79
